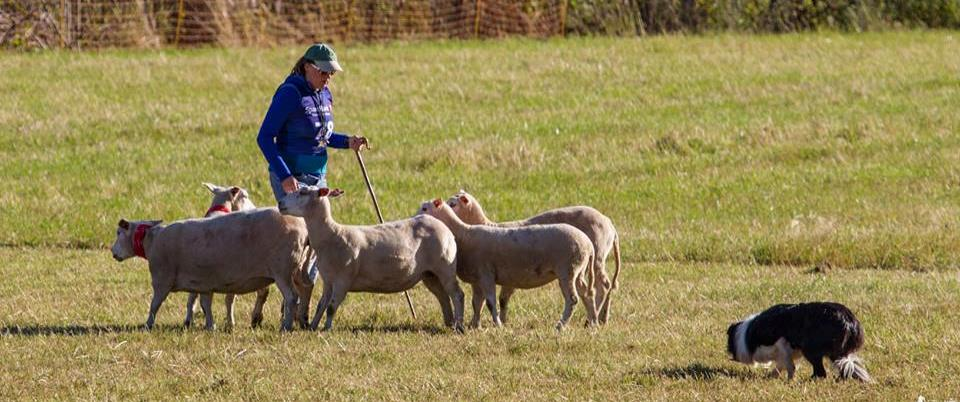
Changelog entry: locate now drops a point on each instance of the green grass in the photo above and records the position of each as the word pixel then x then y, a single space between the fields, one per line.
pixel 731 165
pixel 795 149
pixel 77 314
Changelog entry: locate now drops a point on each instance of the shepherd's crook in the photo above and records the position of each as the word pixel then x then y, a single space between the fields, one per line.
pixel 376 205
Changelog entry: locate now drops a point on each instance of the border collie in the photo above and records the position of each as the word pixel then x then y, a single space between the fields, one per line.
pixel 783 333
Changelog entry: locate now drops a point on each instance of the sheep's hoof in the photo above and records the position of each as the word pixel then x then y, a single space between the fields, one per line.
pixel 458 327
pixel 256 321
pixel 560 326
pixel 187 323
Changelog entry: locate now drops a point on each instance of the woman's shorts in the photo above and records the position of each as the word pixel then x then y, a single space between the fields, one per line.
pixel 303 179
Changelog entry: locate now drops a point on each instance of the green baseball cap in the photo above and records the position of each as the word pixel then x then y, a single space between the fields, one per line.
pixel 323 57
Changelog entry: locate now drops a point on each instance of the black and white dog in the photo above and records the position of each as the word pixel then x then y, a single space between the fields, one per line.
pixel 784 332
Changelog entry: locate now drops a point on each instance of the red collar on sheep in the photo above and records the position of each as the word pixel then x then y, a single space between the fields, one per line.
pixel 138 234
pixel 218 208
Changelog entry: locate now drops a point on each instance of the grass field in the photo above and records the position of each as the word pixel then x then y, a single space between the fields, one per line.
pixel 741 171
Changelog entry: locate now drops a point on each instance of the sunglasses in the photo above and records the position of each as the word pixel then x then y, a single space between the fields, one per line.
pixel 330 73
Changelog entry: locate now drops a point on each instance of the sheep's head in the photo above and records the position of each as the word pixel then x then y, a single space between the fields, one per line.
pixel 437 209
pixel 234 198
pixel 298 202
pixel 123 245
pixel 467 208
pixel 424 207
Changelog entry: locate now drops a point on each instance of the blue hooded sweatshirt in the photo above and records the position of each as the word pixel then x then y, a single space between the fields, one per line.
pixel 298 128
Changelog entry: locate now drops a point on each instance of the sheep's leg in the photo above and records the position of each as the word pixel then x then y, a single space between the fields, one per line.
pixel 191 303
pixel 159 295
pixel 433 285
pixel 570 299
pixel 256 316
pixel 477 302
pixel 303 306
pixel 206 303
pixel 602 287
pixel 305 280
pixel 490 295
pixel 453 289
pixel 505 294
pixel 228 303
pixel 339 294
pixel 586 294
pixel 305 293
pixel 289 303
pixel 322 305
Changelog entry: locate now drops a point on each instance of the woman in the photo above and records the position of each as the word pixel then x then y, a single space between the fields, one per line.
pixel 298 126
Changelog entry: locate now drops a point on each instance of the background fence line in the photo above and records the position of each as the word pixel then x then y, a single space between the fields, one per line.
pixel 156 23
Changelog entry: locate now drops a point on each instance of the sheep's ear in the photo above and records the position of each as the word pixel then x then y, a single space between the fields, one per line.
pixel 336 193
pixel 464 200
pixel 323 192
pixel 210 187
pixel 124 224
pixel 437 203
pixel 234 191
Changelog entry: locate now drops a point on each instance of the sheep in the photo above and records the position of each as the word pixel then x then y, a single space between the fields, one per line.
pixel 591 222
pixel 226 200
pixel 520 258
pixel 386 258
pixel 236 253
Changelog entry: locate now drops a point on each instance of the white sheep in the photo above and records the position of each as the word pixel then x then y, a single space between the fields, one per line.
pixel 591 222
pixel 236 253
pixel 226 200
pixel 386 258
pixel 520 258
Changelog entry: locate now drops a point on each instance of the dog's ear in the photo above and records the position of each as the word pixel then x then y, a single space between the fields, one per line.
pixel 211 187
pixel 437 203
pixel 323 192
pixel 336 193
pixel 124 224
pixel 464 200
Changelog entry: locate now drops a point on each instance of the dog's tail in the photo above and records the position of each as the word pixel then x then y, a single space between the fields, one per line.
pixel 850 366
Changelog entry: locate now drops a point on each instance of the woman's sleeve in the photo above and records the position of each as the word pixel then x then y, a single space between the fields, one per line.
pixel 284 102
pixel 339 140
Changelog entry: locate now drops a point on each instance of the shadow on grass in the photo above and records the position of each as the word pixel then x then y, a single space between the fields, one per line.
pixel 695 371
pixel 408 328
pixel 80 330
